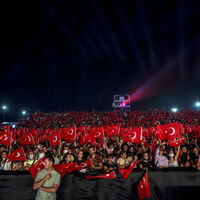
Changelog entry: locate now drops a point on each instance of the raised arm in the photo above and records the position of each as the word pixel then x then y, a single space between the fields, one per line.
pixel 177 153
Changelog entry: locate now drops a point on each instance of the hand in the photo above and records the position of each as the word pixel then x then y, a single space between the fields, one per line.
pixel 47 177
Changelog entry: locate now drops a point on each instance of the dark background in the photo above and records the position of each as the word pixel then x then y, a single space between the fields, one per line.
pixel 75 55
pixel 170 183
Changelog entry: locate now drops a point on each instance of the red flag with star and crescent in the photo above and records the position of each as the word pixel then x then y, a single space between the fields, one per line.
pixel 176 143
pixel 80 166
pixel 26 139
pixel 87 139
pixel 17 155
pixel 109 175
pixel 172 131
pixel 6 139
pixel 160 134
pixel 97 133
pixel 69 134
pixel 54 139
pixel 39 165
pixel 63 168
pixel 143 188
pixel 133 136
pixel 126 172
pixel 113 130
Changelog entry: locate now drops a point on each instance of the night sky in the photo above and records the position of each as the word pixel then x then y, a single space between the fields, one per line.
pixel 75 55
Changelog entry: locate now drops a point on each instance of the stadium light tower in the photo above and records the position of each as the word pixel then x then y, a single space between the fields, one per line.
pixel 4 108
pixel 174 109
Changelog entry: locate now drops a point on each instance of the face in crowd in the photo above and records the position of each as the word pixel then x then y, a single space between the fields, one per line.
pixel 161 152
pixel 31 155
pixel 44 149
pixel 171 153
pixel 68 158
pixel 91 151
pixel 4 154
pixel 110 159
pixel 36 151
pixel 125 147
pixel 48 164
pixel 66 150
pixel 146 156
pixel 123 155
pixel 184 149
pixel 80 155
pixel 195 151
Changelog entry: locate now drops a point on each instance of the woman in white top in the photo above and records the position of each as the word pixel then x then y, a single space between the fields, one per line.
pixel 173 159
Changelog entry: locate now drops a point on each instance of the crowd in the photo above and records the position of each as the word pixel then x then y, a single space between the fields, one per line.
pixel 113 153
pixel 125 119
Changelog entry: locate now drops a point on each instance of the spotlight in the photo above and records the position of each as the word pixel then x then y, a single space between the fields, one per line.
pixel 174 110
pixel 4 107
pixel 23 112
pixel 197 104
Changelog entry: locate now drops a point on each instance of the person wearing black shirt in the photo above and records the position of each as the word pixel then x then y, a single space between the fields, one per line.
pixel 80 157
pixel 194 157
pixel 146 161
pixel 109 165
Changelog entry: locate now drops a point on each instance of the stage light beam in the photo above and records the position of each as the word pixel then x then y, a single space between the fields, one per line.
pixel 174 109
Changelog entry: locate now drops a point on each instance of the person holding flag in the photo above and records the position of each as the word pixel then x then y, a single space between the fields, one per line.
pixel 47 181
pixel 31 160
pixel 159 159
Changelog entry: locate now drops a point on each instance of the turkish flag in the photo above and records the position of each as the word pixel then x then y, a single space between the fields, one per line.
pixel 20 132
pixel 47 131
pixel 172 131
pixel 6 139
pixel 86 139
pixel 113 130
pixel 182 129
pixel 123 131
pixel 42 138
pixel 80 166
pixel 143 136
pixel 26 139
pixel 97 133
pixel 188 129
pixel 80 130
pixel 109 175
pixel 176 143
pixel 17 155
pixel 63 168
pixel 160 134
pixel 54 139
pixel 196 132
pixel 143 188
pixel 69 134
pixel 126 172
pixel 133 136
pixel 39 165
